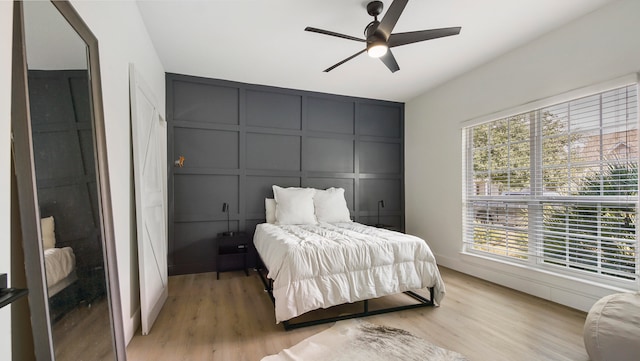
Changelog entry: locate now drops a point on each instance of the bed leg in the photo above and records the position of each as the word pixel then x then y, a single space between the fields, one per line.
pixel 266 281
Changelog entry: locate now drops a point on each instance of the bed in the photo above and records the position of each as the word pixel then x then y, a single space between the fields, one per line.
pixel 60 272
pixel 59 262
pixel 60 267
pixel 329 260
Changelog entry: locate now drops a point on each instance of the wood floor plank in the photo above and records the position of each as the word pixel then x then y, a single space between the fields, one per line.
pixel 84 333
pixel 233 319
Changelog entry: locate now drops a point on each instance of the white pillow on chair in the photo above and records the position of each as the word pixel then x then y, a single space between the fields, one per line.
pixel 294 205
pixel 48 227
pixel 331 206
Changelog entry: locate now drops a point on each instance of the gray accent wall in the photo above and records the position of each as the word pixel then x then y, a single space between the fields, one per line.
pixel 64 160
pixel 240 139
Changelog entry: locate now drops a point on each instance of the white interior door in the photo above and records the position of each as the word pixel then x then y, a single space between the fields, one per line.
pixel 149 159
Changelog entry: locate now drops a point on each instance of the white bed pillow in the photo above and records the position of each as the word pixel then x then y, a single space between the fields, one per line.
pixel 331 206
pixel 48 232
pixel 270 210
pixel 294 205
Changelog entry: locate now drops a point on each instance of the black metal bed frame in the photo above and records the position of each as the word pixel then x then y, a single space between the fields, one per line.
pixel 288 325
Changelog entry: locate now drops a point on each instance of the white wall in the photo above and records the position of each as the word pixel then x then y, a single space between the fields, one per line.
pixel 123 39
pixel 598 47
pixel 6 24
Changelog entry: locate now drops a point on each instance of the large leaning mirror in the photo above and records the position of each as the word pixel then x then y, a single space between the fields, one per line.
pixel 61 169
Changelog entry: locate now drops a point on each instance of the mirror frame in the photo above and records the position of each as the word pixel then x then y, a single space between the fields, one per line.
pixel 22 149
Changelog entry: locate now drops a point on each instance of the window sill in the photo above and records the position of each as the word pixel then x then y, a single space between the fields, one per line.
pixel 546 277
pixel 564 289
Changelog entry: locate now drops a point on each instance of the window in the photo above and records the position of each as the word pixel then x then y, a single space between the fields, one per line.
pixel 556 187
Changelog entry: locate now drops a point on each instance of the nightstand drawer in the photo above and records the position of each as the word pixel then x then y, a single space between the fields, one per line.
pixel 225 248
pixel 231 252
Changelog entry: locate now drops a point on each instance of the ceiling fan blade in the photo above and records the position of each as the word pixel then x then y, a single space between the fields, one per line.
pixel 331 33
pixel 344 61
pixel 390 61
pixel 391 17
pixel 416 36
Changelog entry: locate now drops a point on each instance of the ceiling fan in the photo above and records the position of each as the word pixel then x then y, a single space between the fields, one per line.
pixel 379 39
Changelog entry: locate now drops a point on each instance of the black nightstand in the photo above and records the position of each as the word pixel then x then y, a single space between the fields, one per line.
pixel 92 282
pixel 231 252
pixel 90 269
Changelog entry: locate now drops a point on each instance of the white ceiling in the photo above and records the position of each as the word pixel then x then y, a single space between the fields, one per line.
pixel 264 42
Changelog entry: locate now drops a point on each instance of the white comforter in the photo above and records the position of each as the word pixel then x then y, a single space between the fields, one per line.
pixel 58 264
pixel 329 264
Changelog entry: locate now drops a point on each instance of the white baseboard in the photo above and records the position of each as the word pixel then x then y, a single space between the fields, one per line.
pixel 569 292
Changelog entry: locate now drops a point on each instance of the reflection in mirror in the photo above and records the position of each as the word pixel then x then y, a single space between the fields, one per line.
pixel 67 190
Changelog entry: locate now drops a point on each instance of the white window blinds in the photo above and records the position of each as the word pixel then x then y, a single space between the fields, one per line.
pixel 557 187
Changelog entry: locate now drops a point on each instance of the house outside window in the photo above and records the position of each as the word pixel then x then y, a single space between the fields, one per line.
pixel 556 187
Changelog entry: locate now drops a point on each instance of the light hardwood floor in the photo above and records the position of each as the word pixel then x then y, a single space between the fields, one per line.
pixel 233 319
pixel 84 333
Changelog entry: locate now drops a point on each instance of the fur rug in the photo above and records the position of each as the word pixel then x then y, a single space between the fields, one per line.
pixel 356 340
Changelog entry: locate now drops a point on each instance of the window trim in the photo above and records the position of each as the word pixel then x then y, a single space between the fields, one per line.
pixel 629 79
pixel 535 263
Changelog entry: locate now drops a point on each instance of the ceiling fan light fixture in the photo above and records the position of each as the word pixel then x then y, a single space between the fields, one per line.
pixel 377 49
pixel 379 36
